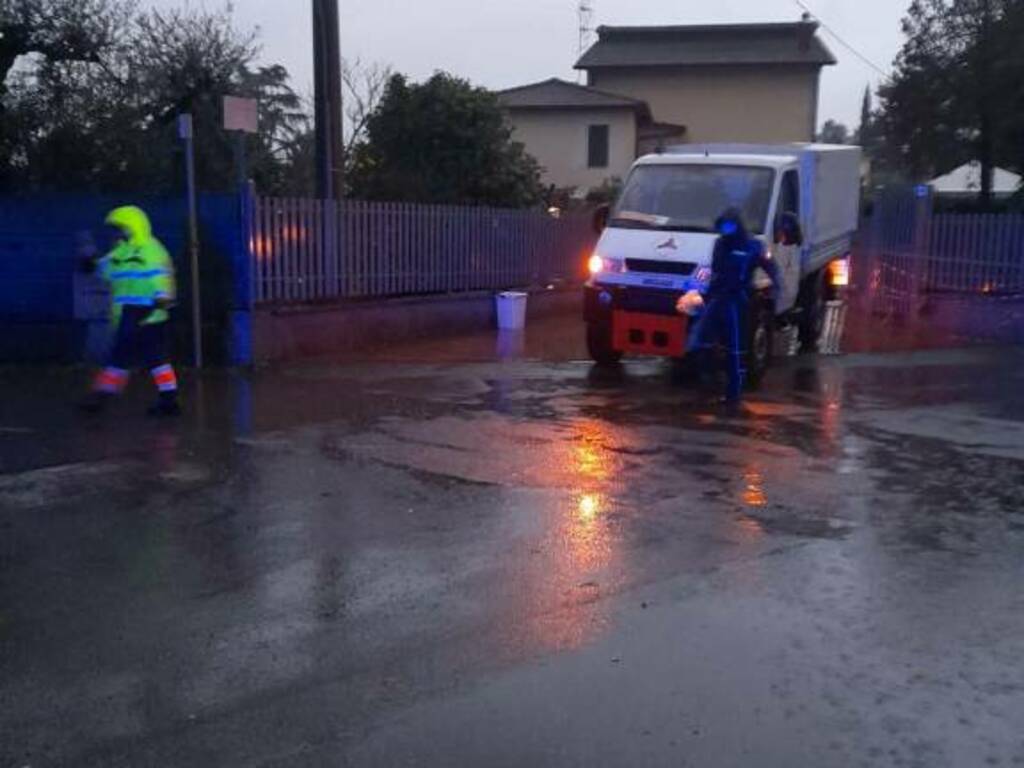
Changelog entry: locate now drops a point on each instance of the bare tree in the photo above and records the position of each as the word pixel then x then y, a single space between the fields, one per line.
pixel 363 87
pixel 60 30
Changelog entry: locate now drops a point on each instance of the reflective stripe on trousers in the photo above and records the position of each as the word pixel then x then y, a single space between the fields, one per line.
pixel 165 378
pixel 111 381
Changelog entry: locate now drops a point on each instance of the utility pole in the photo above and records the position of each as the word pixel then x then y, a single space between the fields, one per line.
pixel 986 98
pixel 330 180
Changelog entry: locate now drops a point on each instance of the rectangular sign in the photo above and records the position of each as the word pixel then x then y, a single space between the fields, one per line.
pixel 241 114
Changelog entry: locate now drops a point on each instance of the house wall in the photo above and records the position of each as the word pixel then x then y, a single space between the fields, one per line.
pixel 558 139
pixel 734 104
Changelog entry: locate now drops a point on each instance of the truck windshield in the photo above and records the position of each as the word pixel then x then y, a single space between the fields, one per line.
pixel 690 198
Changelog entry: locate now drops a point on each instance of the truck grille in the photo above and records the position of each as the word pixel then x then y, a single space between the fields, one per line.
pixel 648 302
pixel 683 268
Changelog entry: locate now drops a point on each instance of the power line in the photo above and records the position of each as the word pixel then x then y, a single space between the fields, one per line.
pixel 841 41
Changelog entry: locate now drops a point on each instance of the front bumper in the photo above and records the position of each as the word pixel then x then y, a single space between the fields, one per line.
pixel 643 321
pixel 600 301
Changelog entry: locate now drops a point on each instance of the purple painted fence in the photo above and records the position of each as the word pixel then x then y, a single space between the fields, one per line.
pixel 907 252
pixel 314 250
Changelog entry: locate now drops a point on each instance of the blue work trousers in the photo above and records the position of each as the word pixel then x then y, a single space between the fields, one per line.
pixel 723 323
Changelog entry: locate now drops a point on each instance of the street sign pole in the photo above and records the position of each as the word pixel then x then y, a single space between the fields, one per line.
pixel 186 133
pixel 240 161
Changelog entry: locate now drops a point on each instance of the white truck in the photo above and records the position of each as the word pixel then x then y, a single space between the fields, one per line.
pixel 801 200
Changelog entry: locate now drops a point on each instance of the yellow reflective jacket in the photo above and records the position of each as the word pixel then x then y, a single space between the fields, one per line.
pixel 139 269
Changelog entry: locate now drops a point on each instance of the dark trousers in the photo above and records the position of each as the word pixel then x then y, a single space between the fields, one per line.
pixel 137 345
pixel 723 323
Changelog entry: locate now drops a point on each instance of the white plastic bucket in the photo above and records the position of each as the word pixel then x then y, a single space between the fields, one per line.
pixel 511 310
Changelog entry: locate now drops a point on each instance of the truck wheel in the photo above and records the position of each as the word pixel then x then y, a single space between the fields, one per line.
pixel 599 344
pixel 760 338
pixel 812 319
pixel 686 370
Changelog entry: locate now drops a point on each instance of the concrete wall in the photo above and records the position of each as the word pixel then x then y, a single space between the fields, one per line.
pixel 742 104
pixel 290 333
pixel 558 139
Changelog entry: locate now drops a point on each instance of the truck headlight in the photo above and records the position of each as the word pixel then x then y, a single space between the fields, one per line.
pixel 598 264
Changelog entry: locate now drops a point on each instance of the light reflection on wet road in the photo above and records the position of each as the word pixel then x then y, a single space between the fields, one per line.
pixel 516 563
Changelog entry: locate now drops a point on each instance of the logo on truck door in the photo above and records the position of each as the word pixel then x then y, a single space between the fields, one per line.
pixel 669 244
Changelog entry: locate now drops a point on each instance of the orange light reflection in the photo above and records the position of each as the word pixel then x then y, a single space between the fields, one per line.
pixel 580 547
pixel 753 490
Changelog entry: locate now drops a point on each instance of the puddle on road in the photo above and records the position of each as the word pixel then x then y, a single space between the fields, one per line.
pixel 801 524
pixel 42 488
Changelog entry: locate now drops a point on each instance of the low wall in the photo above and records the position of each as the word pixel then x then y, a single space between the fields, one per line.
pixel 288 333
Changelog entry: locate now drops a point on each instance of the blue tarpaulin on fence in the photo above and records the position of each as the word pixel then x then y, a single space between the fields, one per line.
pixel 38 263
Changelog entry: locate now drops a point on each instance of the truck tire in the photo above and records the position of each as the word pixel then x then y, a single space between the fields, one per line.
pixel 686 370
pixel 812 306
pixel 599 344
pixel 760 341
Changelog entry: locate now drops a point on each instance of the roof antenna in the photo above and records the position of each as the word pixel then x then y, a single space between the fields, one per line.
pixel 585 13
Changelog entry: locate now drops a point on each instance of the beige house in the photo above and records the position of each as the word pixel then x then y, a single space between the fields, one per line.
pixel 755 83
pixel 650 87
pixel 581 136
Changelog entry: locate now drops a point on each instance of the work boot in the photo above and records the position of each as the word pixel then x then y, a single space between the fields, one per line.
pixel 167 405
pixel 732 406
pixel 95 403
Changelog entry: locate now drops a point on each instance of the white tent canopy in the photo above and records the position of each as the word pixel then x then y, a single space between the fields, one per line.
pixel 966 180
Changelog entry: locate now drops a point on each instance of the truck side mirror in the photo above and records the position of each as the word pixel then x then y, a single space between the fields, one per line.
pixel 601 216
pixel 787 230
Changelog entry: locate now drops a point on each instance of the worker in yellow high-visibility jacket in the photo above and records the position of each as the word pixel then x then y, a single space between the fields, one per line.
pixel 143 289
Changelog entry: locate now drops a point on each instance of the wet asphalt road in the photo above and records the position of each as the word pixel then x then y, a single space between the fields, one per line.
pixel 519 563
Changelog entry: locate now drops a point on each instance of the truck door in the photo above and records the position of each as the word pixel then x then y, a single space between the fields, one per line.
pixel 788 256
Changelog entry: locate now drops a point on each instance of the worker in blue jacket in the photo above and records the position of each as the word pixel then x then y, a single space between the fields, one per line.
pixel 727 302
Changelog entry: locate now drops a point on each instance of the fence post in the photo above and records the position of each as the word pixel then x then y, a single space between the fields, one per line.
pixel 241 347
pixel 329 220
pixel 1017 253
pixel 922 245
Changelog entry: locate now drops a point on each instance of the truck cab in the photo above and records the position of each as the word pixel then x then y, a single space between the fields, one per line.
pixel 659 238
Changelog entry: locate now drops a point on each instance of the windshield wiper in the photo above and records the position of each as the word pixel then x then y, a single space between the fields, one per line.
pixel 632 223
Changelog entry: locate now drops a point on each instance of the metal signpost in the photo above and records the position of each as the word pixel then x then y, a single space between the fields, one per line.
pixel 185 133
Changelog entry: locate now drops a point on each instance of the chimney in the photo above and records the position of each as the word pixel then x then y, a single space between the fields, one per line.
pixel 808 26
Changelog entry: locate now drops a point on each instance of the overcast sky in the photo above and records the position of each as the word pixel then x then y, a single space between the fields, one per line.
pixel 501 44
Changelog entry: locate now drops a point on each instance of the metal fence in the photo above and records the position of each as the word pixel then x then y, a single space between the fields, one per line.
pixel 975 253
pixel 908 252
pixel 313 250
pixel 890 242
